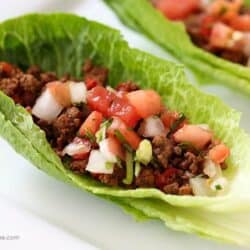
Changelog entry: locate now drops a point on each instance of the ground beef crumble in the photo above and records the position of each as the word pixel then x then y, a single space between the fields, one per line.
pixel 66 126
pixel 127 86
pixel 114 179
pixel 172 166
pixel 94 75
pixel 78 166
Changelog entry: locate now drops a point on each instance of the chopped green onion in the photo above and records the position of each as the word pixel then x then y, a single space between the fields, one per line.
pixel 109 165
pixel 90 136
pixel 129 169
pixel 218 187
pixel 176 124
pixel 101 133
pixel 137 168
pixel 144 152
pixel 124 142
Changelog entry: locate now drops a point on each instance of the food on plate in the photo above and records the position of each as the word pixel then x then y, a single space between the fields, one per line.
pixel 71 131
pixel 123 136
pixel 221 27
pixel 210 37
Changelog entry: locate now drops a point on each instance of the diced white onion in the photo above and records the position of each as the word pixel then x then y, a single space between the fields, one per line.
pixel 205 3
pixel 212 169
pixel 153 126
pixel 97 163
pixel 78 92
pixel 111 89
pixel 46 107
pixel 200 186
pixel 104 148
pixel 219 184
pixel 75 148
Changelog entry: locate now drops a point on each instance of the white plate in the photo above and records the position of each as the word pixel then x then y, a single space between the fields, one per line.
pixel 66 217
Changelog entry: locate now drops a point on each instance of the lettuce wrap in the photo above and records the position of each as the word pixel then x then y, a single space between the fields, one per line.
pixel 208 68
pixel 61 42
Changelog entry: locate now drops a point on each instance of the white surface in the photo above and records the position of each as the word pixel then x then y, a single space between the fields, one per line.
pixel 60 214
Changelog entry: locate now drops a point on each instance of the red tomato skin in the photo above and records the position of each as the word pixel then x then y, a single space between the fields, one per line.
pixel 219 153
pixel 220 35
pixel 84 155
pixel 90 83
pixel 193 134
pixel 115 147
pixel 225 10
pixel 91 124
pixel 146 102
pixel 168 118
pixel 121 108
pixel 207 23
pixel 131 136
pixel 100 99
pixel 177 9
pixel 241 23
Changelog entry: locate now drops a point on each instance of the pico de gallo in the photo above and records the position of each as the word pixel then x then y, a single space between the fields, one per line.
pixel 122 136
pixel 221 27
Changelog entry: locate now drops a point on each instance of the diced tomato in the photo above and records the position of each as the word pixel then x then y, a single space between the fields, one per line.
pixel 129 135
pixel 241 23
pixel 168 118
pixel 90 83
pixel 78 149
pixel 220 35
pixel 91 124
pixel 193 134
pixel 121 108
pixel 166 178
pixel 85 153
pixel 177 9
pixel 5 68
pixel 115 147
pixel 100 99
pixel 207 23
pixel 219 153
pixel 224 9
pixel 146 102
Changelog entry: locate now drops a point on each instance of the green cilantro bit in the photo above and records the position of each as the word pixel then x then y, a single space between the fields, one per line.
pixel 90 136
pixel 124 142
pixel 109 165
pixel 176 124
pixel 218 187
pixel 101 133
pixel 223 10
pixel 129 169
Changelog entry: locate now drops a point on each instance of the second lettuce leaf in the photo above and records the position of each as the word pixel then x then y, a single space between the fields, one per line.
pixel 141 16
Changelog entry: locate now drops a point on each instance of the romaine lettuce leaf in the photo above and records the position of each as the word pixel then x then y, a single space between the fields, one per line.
pixel 61 42
pixel 142 16
pixel 77 40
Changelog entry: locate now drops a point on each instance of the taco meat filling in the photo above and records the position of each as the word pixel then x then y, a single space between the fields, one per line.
pixel 221 27
pixel 123 136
